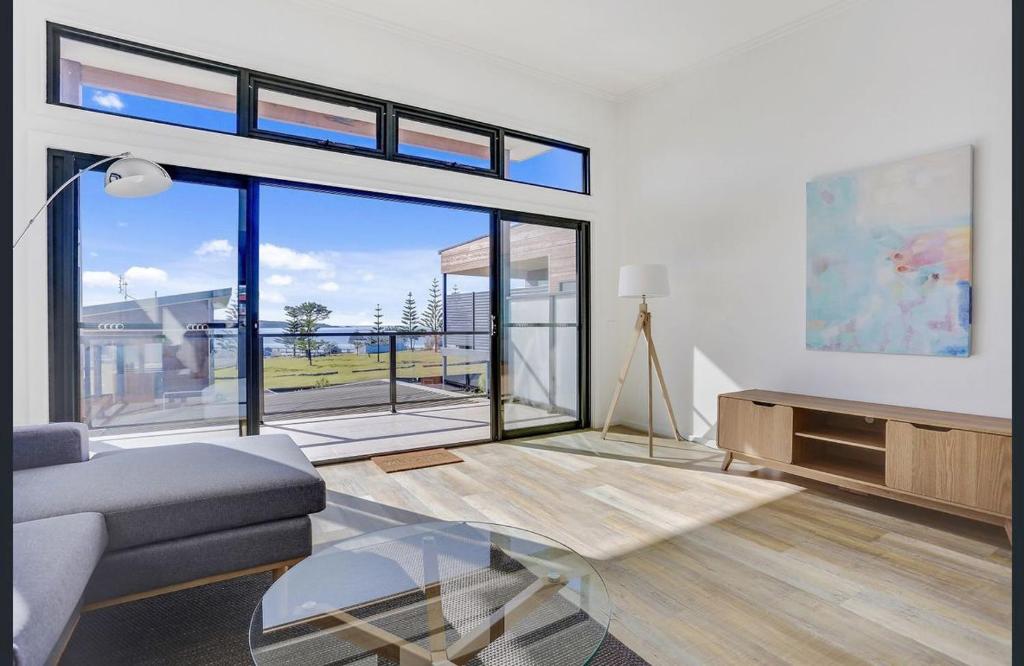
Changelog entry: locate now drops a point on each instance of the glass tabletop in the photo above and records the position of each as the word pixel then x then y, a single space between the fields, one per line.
pixel 434 593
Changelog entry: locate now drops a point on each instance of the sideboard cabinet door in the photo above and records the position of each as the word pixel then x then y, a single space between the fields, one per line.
pixel 757 429
pixel 968 468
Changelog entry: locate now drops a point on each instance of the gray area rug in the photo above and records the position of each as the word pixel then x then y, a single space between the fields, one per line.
pixel 208 625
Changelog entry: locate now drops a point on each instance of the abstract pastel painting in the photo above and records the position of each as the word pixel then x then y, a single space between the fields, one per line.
pixel 889 257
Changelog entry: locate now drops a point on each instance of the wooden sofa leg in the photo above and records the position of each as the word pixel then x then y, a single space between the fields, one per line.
pixel 277 570
pixel 1008 526
pixel 726 461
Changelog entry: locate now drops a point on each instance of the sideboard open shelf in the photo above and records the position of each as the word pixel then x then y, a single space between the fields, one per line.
pixel 952 462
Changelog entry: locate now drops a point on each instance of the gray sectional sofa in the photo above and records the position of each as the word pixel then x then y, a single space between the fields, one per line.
pixel 131 523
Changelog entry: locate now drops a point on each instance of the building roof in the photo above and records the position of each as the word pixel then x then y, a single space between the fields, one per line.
pixel 219 298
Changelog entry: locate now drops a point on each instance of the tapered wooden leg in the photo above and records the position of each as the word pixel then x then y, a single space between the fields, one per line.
pixel 1008 525
pixel 278 572
pixel 504 619
pixel 630 351
pixel 726 461
pixel 664 387
pixel 650 389
pixel 432 591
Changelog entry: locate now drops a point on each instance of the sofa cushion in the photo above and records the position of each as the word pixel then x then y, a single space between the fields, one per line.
pixel 53 561
pixel 157 493
pixel 49 444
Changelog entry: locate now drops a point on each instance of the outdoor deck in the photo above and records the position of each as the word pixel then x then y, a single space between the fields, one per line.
pixel 195 411
pixel 356 397
pixel 336 424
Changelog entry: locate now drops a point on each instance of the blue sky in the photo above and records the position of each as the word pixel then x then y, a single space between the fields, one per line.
pixel 347 252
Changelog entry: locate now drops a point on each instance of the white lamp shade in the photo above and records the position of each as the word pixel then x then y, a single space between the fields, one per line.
pixel 135 177
pixel 650 280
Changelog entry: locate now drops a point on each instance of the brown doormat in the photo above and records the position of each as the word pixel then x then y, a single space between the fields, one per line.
pixel 400 462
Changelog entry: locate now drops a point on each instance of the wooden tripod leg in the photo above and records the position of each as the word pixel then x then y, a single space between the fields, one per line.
pixel 637 330
pixel 664 387
pixel 650 388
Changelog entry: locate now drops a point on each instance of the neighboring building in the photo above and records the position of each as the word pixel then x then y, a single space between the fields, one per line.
pixel 139 351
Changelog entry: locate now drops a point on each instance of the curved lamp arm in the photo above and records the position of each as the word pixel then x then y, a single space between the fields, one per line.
pixel 61 189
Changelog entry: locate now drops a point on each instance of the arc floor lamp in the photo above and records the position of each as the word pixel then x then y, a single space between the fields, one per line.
pixel 126 177
pixel 643 281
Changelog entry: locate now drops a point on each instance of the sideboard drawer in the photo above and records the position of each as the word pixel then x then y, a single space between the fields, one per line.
pixel 961 466
pixel 759 429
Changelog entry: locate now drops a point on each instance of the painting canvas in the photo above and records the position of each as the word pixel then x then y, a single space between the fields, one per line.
pixel 889 257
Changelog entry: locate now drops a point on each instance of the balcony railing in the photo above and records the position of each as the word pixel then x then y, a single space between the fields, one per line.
pixel 137 376
pixel 328 372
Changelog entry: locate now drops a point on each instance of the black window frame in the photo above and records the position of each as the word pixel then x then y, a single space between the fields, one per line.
pixel 533 138
pixel 55 32
pixel 320 93
pixel 399 112
pixel 250 80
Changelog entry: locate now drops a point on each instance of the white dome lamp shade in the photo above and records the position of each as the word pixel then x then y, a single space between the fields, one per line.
pixel 132 177
pixel 127 177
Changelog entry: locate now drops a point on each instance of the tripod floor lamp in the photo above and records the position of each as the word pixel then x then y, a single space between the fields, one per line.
pixel 643 281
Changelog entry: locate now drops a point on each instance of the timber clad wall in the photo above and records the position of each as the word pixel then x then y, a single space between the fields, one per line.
pixel 538 253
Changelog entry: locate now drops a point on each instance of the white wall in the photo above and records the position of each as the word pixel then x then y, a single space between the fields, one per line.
pixel 706 173
pixel 712 176
pixel 307 40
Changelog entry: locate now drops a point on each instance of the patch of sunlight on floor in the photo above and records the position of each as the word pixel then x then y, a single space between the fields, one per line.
pixel 671 496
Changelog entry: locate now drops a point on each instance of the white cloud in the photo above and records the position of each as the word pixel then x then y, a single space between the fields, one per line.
pixel 219 247
pixel 145 274
pixel 108 100
pixel 271 296
pixel 99 279
pixel 279 280
pixel 275 256
pixel 329 286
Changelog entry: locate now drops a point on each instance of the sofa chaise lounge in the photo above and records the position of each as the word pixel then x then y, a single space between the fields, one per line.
pixel 131 523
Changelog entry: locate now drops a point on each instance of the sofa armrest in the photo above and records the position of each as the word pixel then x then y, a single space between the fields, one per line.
pixel 49 444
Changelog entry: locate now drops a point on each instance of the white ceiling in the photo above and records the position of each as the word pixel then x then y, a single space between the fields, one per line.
pixel 609 47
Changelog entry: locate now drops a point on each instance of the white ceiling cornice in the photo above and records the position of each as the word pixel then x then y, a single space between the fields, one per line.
pixel 458 47
pixel 642 37
pixel 749 45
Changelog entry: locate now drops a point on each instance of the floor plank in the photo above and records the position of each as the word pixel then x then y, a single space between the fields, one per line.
pixel 705 567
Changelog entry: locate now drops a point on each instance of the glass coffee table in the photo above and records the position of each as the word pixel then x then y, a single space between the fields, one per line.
pixel 434 593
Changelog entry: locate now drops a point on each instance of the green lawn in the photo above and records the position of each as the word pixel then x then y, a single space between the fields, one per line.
pixel 296 372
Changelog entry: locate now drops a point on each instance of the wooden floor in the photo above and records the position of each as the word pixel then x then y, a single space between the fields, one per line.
pixel 748 567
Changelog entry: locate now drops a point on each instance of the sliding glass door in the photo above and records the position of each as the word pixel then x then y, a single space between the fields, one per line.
pixel 374 315
pixel 542 305
pixel 158 310
pixel 355 323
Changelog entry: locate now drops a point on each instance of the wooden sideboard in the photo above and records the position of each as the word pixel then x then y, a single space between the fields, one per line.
pixel 957 463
